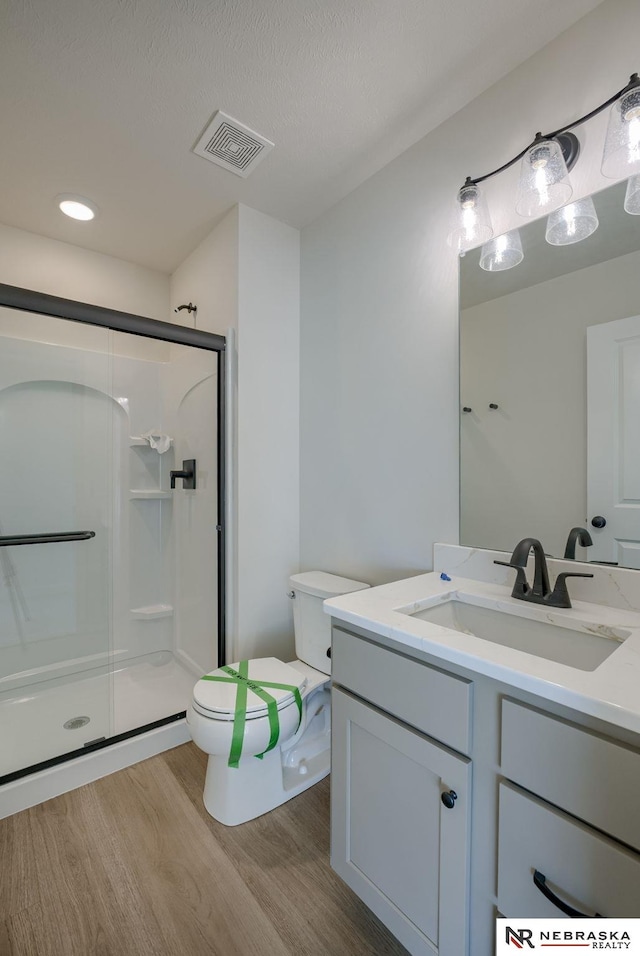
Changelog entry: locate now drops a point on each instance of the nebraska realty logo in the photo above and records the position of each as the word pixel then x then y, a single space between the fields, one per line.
pixel 559 935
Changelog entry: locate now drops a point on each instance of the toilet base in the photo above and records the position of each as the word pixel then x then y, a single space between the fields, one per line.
pixel 234 795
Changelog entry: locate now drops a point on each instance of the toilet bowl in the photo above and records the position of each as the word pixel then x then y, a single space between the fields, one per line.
pixel 266 724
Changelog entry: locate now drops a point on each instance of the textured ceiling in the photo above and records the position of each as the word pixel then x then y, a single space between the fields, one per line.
pixel 106 98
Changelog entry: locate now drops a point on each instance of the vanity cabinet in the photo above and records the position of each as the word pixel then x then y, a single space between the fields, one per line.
pixel 554 794
pixel 401 799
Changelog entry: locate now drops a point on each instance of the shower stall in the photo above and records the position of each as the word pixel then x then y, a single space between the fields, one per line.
pixel 111 525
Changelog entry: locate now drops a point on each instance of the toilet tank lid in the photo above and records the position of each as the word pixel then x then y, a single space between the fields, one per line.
pixel 323 584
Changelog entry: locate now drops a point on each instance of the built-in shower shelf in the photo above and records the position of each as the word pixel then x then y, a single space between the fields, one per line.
pixel 152 612
pixel 135 441
pixel 140 494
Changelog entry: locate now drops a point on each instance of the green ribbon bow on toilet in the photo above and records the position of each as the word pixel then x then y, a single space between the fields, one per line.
pixel 242 679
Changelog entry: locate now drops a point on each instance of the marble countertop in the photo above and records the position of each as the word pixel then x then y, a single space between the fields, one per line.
pixel 611 692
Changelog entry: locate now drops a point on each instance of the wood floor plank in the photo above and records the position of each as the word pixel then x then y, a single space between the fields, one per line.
pixel 133 865
pixel 119 904
pixel 18 873
pixel 195 892
pixel 6 946
pixel 80 908
pixel 32 933
pixel 315 912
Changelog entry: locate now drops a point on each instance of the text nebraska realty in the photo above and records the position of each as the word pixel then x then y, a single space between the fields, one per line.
pixel 599 939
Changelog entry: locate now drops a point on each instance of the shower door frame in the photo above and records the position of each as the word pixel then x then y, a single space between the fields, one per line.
pixel 41 303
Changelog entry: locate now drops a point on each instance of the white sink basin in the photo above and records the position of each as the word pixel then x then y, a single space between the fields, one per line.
pixel 576 643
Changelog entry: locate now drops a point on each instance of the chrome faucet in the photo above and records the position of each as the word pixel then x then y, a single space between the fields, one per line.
pixel 541 592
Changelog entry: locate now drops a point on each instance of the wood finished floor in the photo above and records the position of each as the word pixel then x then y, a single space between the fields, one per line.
pixel 133 865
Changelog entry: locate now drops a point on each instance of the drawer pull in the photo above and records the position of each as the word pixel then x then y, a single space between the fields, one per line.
pixel 541 882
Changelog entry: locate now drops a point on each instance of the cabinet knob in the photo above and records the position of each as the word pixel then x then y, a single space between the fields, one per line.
pixel 598 521
pixel 449 798
pixel 328 652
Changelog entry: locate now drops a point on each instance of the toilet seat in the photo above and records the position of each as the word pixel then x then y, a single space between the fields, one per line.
pixel 216 699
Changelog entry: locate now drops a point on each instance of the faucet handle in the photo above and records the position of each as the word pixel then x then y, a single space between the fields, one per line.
pixel 508 564
pixel 521 586
pixel 560 595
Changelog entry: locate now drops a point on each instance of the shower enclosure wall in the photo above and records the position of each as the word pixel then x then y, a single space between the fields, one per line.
pixel 110 578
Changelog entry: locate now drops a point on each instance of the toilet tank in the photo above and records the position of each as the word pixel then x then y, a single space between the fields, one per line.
pixel 312 626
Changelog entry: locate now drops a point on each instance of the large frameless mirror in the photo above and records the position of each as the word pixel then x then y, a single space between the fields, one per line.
pixel 550 391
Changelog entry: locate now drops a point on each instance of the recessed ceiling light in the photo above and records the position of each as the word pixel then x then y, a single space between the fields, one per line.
pixel 76 207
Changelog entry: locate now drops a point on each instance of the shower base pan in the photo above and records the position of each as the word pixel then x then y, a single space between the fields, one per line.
pixel 88 716
pixel 41 785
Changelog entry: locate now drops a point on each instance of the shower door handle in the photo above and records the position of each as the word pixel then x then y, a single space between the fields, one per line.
pixel 11 540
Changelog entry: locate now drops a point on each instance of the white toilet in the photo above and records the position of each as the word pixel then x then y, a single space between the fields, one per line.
pixel 298 713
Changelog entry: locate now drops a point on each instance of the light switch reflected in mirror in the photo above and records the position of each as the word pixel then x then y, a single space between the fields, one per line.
pixel 556 344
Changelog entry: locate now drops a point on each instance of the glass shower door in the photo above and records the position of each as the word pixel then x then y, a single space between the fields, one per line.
pixel 109 558
pixel 165 566
pixel 57 416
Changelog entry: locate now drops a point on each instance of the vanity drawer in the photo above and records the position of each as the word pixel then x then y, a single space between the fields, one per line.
pixel 432 701
pixel 592 777
pixel 583 868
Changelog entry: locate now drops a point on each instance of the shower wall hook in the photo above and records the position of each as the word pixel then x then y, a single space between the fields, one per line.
pixel 190 308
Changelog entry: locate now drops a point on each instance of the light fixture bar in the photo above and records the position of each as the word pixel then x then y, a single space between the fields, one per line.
pixel 634 83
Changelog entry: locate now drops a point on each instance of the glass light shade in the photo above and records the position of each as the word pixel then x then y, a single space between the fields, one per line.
pixel 572 223
pixel 544 181
pixel 632 196
pixel 503 252
pixel 472 222
pixel 621 157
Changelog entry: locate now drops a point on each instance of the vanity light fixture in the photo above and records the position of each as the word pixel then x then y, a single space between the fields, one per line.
pixel 503 252
pixel 544 178
pixel 76 207
pixel 622 146
pixel 544 184
pixel 472 222
pixel 572 223
pixel 632 196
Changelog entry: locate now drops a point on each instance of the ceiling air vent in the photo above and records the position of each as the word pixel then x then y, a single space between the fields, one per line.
pixel 231 145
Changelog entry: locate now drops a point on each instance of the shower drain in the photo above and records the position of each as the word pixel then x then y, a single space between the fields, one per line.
pixel 75 722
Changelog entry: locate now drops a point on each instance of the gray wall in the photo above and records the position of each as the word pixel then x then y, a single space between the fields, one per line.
pixel 379 320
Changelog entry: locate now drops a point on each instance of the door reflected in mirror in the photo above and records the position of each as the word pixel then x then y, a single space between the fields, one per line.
pixel 550 392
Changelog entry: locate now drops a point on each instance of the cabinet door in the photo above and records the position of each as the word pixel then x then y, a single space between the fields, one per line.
pixel 392 839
